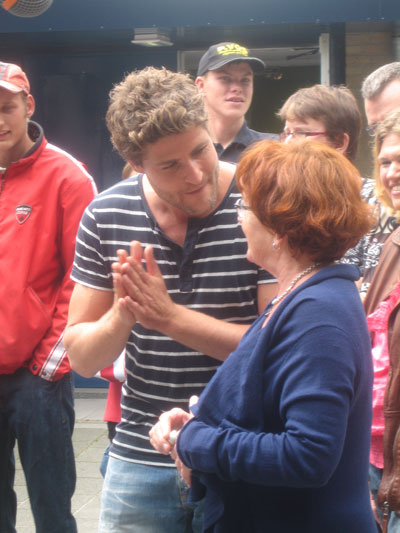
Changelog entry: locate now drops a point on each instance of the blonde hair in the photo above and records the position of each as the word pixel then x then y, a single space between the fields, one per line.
pixel 389 125
pixel 127 171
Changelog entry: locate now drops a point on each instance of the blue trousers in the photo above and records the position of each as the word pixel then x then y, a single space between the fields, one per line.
pixel 146 499
pixel 39 416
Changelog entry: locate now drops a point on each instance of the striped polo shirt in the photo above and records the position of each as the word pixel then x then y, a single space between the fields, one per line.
pixel 210 274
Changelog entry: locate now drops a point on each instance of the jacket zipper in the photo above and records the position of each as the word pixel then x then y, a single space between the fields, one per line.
pixel 385 518
pixel 3 178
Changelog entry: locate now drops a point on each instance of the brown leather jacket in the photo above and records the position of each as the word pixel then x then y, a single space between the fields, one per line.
pixel 385 278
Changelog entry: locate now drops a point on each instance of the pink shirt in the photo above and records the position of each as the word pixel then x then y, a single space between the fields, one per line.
pixel 377 325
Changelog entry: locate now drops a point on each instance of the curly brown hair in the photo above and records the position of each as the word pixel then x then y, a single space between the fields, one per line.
pixel 150 104
pixel 309 193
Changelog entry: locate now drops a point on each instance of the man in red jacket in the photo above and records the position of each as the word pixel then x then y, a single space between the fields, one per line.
pixel 43 193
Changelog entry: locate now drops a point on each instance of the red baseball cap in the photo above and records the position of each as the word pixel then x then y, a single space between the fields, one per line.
pixel 13 78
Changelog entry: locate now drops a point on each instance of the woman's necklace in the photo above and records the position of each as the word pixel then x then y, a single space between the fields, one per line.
pixel 292 284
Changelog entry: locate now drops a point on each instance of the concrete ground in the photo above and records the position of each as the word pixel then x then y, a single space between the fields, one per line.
pixel 90 440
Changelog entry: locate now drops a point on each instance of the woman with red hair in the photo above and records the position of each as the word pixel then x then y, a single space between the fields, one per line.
pixel 330 115
pixel 279 439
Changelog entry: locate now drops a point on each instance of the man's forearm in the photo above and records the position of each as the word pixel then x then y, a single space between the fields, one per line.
pixel 204 333
pixel 92 346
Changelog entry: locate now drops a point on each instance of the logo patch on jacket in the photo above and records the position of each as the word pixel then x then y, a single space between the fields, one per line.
pixel 22 213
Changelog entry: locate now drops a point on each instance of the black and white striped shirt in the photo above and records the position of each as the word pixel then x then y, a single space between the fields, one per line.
pixel 210 274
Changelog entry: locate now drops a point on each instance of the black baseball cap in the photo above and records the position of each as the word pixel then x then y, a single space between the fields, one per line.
pixel 221 54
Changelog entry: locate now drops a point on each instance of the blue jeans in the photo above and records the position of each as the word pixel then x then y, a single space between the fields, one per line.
pixel 146 499
pixel 111 426
pixel 39 415
pixel 375 476
pixel 104 461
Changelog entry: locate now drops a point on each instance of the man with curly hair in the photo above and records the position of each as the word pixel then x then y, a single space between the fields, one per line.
pixel 171 230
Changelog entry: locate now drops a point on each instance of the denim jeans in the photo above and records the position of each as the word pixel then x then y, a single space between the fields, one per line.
pixel 146 499
pixel 375 476
pixel 39 415
pixel 104 461
pixel 111 426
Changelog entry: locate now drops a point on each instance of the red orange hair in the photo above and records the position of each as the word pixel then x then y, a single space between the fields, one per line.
pixel 309 193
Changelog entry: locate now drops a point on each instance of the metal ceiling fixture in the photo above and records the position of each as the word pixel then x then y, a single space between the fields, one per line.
pixel 152 37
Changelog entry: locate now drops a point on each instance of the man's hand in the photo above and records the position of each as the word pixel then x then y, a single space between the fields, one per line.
pixel 143 292
pixel 125 315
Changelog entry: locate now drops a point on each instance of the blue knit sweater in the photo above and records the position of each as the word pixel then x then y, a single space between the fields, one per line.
pixel 280 438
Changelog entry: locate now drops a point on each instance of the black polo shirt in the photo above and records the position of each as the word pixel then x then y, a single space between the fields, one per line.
pixel 245 137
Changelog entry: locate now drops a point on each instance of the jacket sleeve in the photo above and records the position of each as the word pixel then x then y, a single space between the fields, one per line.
pixel 50 360
pixel 114 373
pixel 315 393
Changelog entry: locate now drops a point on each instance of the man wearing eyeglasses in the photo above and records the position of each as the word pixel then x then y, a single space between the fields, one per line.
pixel 381 93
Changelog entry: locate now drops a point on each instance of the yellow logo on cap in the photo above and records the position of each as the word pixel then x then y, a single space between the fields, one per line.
pixel 232 48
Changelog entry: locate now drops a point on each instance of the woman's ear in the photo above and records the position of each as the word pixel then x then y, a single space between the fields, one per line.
pixel 342 145
pixel 277 242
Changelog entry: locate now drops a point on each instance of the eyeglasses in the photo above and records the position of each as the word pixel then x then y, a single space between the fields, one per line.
pixel 241 207
pixel 300 134
pixel 371 129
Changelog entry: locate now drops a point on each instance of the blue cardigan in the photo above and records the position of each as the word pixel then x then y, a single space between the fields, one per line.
pixel 281 434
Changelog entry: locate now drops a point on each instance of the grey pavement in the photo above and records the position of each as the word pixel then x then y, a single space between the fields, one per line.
pixel 90 440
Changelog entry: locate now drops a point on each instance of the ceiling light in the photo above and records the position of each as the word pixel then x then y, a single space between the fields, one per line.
pixel 151 37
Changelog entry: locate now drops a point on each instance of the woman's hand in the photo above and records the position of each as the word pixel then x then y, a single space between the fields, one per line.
pixel 163 434
pixel 183 470
pixel 163 438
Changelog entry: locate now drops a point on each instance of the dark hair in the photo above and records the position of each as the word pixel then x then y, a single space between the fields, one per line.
pixel 334 106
